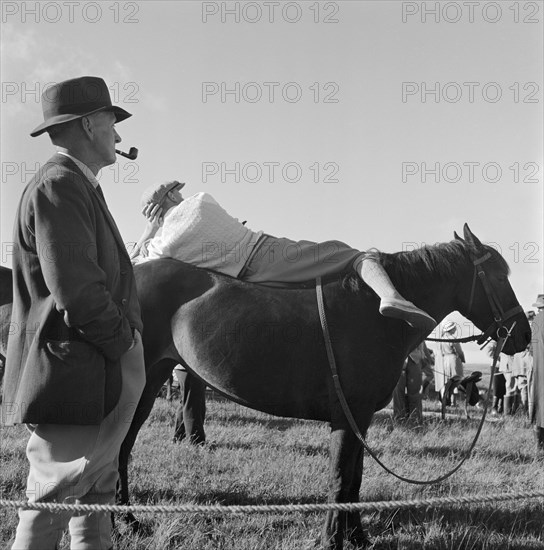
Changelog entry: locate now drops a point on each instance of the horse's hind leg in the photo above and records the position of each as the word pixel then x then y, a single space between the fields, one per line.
pixel 346 469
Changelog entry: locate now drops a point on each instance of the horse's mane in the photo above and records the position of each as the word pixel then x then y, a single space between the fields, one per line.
pixel 416 267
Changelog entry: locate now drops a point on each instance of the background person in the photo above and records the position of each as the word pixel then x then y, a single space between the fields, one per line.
pixel 191 409
pixel 537 342
pixel 407 397
pixel 505 368
pixel 516 369
pixel 428 372
pixel 530 374
pixel 499 391
pixel 521 367
pixel 451 360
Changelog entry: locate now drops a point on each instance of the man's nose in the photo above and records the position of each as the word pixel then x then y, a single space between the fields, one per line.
pixel 117 137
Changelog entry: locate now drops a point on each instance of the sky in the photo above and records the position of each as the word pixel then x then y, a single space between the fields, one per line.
pixel 383 124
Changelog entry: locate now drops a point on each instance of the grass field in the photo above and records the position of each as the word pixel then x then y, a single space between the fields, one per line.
pixel 252 458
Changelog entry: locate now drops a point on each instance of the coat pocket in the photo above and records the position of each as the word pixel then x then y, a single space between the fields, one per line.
pixel 64 383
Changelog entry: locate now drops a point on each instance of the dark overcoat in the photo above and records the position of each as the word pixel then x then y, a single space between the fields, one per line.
pixel 537 344
pixel 74 303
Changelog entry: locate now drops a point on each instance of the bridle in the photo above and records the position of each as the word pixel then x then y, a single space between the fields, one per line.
pixel 499 315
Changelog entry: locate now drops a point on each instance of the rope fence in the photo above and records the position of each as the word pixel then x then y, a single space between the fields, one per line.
pixel 218 509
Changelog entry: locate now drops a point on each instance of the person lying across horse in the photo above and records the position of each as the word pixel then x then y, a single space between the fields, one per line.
pixel 198 231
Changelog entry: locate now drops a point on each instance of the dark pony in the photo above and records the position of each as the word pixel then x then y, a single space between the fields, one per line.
pixel 263 347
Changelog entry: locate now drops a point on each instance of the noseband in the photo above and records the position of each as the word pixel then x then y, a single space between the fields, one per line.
pixel 499 315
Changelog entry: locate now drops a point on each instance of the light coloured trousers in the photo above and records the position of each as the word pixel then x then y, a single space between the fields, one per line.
pixel 79 465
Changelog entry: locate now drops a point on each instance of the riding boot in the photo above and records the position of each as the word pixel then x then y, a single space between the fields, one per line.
pixel 508 402
pixel 495 406
pixel 415 408
pixel 515 402
pixel 392 304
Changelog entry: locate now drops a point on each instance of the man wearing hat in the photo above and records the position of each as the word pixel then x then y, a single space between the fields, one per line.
pixel 536 405
pixel 74 369
pixel 197 230
pixel 539 304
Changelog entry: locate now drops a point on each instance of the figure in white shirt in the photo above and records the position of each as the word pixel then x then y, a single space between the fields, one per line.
pixel 197 230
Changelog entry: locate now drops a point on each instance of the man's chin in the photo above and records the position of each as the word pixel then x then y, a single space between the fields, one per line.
pixel 110 160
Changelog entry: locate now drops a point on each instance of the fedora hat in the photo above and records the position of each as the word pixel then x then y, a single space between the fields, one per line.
pixel 76 98
pixel 450 326
pixel 539 301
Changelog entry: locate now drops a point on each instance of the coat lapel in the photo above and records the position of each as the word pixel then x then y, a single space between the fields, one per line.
pixel 64 160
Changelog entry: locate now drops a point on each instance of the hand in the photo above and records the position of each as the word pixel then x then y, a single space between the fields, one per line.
pixel 153 213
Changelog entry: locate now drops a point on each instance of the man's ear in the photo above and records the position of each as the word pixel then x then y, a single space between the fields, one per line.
pixel 87 126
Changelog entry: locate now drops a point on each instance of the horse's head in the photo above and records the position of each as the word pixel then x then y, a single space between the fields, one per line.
pixel 486 297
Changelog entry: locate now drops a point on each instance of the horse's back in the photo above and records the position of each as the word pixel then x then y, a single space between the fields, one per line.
pixel 261 346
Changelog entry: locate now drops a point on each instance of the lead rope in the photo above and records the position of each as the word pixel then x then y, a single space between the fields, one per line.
pixel 349 416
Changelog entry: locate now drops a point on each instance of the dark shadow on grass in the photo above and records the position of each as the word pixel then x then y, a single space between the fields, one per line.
pixel 305 449
pixel 313 450
pixel 443 451
pixel 509 456
pixel 224 498
pixel 143 524
pixel 269 422
pixel 524 519
pixel 242 498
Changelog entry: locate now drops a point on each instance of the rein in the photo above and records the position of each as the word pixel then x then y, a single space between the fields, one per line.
pixel 460 340
pixel 501 341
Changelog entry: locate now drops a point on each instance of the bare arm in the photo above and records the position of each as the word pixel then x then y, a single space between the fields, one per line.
pixel 153 214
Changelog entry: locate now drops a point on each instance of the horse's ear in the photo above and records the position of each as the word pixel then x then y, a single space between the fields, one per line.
pixel 470 237
pixel 457 238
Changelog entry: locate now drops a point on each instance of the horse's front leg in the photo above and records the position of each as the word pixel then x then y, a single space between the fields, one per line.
pixel 155 377
pixel 346 469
